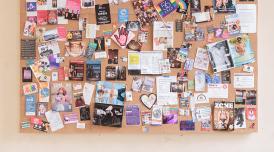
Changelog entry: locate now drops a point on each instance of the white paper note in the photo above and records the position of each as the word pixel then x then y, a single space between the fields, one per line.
pixel 54 120
pixel 88 92
pixel 248 17
pixel 164 96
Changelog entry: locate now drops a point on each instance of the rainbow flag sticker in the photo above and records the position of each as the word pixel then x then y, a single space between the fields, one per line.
pixel 166 7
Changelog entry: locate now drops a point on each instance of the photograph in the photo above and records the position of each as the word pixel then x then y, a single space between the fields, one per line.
pixel 61 96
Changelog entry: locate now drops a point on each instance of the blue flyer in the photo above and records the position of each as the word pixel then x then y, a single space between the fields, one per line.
pixel 123 15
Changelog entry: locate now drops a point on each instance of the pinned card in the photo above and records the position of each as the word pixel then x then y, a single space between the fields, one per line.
pixel 122 37
pixel 30 88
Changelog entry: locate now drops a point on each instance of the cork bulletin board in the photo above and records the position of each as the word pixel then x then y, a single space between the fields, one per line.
pixel 251 126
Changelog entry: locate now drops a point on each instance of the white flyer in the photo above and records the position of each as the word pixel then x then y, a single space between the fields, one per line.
pixel 248 17
pixel 201 98
pixel 88 92
pixel 91 31
pixel 164 96
pixel 244 81
pixel 54 120
pixel 162 35
pixel 150 62
pixel 217 91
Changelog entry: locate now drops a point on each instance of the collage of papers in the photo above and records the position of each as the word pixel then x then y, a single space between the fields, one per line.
pixel 138 66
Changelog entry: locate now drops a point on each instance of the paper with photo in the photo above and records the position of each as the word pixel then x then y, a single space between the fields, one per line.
pixel 244 80
pixel 164 96
pixel 162 35
pixel 201 59
pixel 248 17
pixel 217 91
pixel 54 120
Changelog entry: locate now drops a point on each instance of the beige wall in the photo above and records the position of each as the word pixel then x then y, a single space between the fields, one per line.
pixel 11 140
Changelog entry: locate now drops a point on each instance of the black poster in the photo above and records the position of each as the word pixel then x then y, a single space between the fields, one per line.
pixel 28 49
pixel 102 14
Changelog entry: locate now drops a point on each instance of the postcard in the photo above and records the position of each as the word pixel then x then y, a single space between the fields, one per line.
pixel 61 12
pixel 201 59
pixel 157 115
pixel 41 108
pixel 148 84
pixel 54 120
pixel 123 15
pixel 79 99
pixel 122 37
pixel 61 96
pixel 44 92
pixel 228 6
pixel 202 17
pixel 113 56
pixel 240 118
pixel 115 73
pixel 145 12
pixel 76 70
pixel 30 88
pixel 70 118
pixel 137 83
pixel 110 93
pixel 251 113
pixel 93 70
pixel 203 113
pixel 162 35
pixel 51 35
pixel 102 14
pixel 217 91
pixel 26 74
pixel 30 105
pixel 170 115
pixel 85 113
pixel 187 125
pixel 133 26
pixel 73 8
pixel 48 48
pixel 75 49
pixel 244 80
pixel 233 24
pixel 132 115
pixel 199 98
pixel 29 29
pixel 146 118
pixel 108 115
pixel 164 96
pixel 200 81
pixel 172 54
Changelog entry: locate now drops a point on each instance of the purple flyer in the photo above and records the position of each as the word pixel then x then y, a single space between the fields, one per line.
pixel 132 115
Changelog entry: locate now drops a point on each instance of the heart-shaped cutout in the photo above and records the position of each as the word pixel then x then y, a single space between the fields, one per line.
pixel 148 100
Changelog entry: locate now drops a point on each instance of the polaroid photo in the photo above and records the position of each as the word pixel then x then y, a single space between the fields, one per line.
pixel 133 26
pixel 227 6
pixel 195 5
pixel 226 77
pixel 42 108
pixel 61 12
pixel 61 96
